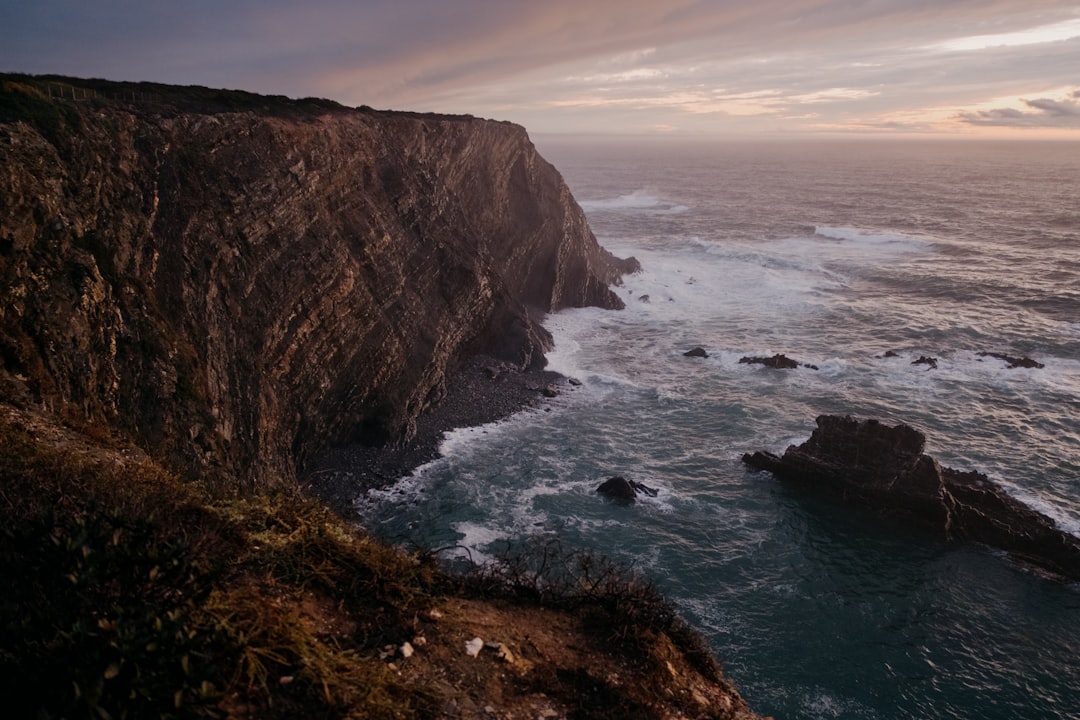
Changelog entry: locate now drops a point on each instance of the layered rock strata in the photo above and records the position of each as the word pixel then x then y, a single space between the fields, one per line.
pixel 240 289
pixel 882 469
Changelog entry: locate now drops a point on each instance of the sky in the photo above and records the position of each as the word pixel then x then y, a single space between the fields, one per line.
pixel 719 68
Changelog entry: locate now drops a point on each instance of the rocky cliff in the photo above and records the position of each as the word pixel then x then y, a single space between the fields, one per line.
pixel 239 282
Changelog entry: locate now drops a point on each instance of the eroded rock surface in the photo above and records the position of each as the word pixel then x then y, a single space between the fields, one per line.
pixel 882 469
pixel 242 289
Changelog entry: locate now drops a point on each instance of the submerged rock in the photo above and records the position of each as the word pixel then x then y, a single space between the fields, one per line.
pixel 882 469
pixel 1013 362
pixel 930 362
pixel 622 490
pixel 696 352
pixel 778 361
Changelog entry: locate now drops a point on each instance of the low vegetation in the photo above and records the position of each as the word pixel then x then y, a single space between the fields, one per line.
pixel 137 596
pixel 52 103
pixel 23 95
pixel 131 594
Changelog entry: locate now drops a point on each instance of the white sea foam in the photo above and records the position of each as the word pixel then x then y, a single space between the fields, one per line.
pixel 1065 521
pixel 643 198
pixel 477 537
pixel 872 238
pixel 460 442
pixel 640 200
pixel 405 489
pixel 777 268
pixel 966 367
pixel 691 281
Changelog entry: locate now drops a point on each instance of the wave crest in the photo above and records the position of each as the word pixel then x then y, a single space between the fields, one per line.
pixel 639 200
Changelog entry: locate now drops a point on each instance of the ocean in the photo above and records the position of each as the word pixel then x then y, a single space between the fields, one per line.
pixel 832 253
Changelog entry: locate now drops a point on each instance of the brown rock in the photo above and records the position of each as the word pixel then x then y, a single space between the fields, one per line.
pixel 883 470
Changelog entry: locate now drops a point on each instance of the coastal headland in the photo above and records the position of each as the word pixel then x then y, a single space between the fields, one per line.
pixel 204 290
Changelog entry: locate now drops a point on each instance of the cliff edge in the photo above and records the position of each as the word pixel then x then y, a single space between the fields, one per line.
pixel 239 282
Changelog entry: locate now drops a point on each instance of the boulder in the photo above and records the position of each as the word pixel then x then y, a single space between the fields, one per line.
pixel 778 361
pixel 622 490
pixel 696 352
pixel 882 469
pixel 550 390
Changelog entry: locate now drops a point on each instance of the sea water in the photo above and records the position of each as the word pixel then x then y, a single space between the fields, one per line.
pixel 832 253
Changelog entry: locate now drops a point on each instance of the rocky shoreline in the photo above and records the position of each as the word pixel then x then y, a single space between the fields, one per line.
pixel 483 390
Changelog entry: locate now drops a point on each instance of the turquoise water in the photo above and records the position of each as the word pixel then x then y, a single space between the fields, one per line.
pixel 833 254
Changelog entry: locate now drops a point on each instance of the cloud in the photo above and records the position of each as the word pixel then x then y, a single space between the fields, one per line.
pixel 1055 108
pixel 1053 32
pixel 836 94
pixel 605 63
pixel 406 50
pixel 1044 113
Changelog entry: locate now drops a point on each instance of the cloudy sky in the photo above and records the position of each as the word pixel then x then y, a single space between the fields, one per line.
pixel 1007 68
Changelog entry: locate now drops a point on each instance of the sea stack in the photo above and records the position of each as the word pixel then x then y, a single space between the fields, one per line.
pixel 882 469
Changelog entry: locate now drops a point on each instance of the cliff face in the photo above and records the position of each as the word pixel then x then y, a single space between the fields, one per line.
pixel 240 289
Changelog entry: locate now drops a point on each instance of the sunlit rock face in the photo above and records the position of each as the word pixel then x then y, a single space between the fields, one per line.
pixel 239 290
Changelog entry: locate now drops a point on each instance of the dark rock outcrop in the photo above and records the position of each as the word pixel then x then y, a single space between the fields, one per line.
pixel 1013 362
pixel 239 289
pixel 929 362
pixel 778 362
pixel 698 352
pixel 622 490
pixel 883 469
